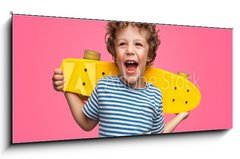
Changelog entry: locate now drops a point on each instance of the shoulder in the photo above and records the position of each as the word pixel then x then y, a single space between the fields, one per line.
pixel 107 81
pixel 157 96
pixel 154 89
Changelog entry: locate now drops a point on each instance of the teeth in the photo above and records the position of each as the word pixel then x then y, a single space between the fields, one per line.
pixel 130 62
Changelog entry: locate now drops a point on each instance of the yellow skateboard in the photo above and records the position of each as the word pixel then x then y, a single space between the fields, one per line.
pixel 81 76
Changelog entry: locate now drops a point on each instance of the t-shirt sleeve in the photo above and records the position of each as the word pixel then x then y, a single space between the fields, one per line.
pixel 158 121
pixel 91 108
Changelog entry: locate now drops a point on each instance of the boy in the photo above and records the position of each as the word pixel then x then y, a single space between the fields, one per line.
pixel 123 105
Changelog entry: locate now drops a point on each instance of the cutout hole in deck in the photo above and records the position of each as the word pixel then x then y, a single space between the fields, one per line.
pixel 103 73
pixel 85 70
pixel 83 83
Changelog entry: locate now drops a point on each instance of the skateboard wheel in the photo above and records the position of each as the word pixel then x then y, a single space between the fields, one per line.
pixel 92 55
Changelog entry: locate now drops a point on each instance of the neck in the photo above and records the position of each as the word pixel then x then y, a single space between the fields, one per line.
pixel 138 84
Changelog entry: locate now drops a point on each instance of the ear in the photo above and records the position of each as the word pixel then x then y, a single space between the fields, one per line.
pixel 148 60
pixel 114 59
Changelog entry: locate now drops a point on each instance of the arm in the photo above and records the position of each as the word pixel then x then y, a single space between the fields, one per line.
pixel 174 122
pixel 76 103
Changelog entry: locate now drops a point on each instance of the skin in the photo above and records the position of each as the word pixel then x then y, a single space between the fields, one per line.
pixel 130 44
pixel 75 102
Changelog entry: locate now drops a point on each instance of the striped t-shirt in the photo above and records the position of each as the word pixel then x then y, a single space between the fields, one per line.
pixel 124 111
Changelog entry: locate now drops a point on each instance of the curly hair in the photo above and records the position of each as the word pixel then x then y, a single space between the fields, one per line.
pixel 152 39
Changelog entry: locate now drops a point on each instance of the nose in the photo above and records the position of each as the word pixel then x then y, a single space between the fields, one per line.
pixel 130 50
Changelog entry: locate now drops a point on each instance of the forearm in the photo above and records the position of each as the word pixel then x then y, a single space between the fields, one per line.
pixel 76 104
pixel 173 123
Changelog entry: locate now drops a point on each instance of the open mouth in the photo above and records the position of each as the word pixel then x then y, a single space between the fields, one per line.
pixel 131 66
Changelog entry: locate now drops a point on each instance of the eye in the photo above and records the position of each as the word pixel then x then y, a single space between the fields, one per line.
pixel 122 44
pixel 139 44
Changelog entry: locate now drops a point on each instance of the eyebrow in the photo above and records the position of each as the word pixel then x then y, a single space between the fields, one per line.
pixel 117 40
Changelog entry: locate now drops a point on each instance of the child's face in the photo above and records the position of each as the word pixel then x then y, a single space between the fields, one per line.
pixel 132 55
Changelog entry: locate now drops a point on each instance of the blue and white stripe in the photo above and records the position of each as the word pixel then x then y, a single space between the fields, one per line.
pixel 124 111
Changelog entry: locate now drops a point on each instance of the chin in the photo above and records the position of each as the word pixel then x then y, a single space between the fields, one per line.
pixel 131 79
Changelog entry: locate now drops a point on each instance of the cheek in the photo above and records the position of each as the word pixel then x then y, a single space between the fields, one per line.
pixel 119 60
pixel 143 57
pixel 143 60
pixel 119 55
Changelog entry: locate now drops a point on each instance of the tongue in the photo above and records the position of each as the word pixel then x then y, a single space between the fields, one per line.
pixel 131 68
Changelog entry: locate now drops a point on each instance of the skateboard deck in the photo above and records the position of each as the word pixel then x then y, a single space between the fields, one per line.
pixel 179 94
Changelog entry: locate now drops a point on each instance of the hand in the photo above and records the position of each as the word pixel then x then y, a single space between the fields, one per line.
pixel 58 79
pixel 183 115
pixel 175 121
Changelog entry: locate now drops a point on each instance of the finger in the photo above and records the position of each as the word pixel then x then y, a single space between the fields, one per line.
pixel 58 78
pixel 58 71
pixel 58 83
pixel 59 88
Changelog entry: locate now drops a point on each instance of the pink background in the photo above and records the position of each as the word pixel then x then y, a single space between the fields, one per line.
pixel 40 43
